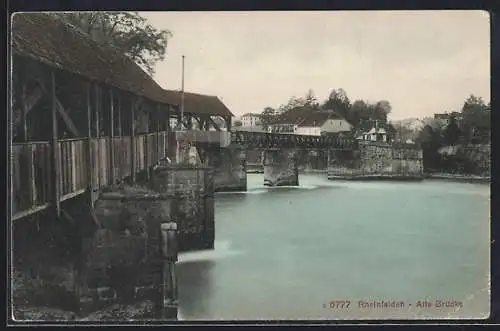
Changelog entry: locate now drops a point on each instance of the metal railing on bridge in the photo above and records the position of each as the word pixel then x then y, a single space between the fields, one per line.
pixel 32 182
pixel 247 139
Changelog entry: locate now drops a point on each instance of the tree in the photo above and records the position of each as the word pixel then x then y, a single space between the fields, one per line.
pixel 476 119
pixel 429 140
pixel 382 110
pixel 339 102
pixel 267 116
pixel 127 31
pixel 359 114
pixel 391 132
pixel 311 100
pixel 292 103
pixel 452 132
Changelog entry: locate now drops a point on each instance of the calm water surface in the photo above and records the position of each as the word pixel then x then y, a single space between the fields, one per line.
pixel 282 253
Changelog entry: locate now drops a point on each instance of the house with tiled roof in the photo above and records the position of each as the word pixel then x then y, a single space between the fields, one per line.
pixel 310 121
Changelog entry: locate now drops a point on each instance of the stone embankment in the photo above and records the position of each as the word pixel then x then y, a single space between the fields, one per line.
pixel 376 161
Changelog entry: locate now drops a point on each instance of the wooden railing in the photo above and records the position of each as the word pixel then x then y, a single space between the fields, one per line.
pixel 32 185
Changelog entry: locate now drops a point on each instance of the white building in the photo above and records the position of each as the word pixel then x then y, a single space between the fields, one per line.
pixel 375 134
pixel 311 122
pixel 323 122
pixel 250 120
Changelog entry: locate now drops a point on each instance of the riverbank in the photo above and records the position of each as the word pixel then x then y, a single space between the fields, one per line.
pixel 458 177
pixel 377 177
pixel 143 310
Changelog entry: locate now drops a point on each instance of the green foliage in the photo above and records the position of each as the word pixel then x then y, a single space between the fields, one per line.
pixel 339 102
pixel 311 99
pixel 452 132
pixel 476 120
pixel 430 141
pixel 126 31
pixel 267 115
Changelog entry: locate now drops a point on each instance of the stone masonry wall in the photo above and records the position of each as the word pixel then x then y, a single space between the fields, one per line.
pixel 376 158
pixel 194 204
pixel 280 168
pixel 122 259
pixel 229 167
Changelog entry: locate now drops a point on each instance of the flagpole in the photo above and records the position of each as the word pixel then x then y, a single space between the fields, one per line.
pixel 181 119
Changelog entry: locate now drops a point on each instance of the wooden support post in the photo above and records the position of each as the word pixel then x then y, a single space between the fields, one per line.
pixel 132 136
pixel 55 150
pixel 112 137
pixel 90 186
pixel 228 123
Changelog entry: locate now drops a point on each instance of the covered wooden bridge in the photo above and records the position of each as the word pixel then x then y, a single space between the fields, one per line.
pixel 84 116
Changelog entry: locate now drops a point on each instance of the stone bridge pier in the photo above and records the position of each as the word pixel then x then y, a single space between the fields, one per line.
pixel 229 168
pixel 281 167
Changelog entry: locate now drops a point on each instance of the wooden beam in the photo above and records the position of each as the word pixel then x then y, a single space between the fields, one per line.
pixel 112 136
pixel 228 123
pixel 31 100
pixel 55 149
pixel 201 154
pixel 66 118
pixel 214 124
pixel 24 113
pixel 28 102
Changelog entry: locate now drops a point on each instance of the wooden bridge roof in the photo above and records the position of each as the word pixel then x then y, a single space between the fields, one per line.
pixel 47 39
pixel 200 104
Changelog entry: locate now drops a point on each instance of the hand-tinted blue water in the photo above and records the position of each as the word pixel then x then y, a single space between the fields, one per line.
pixel 281 253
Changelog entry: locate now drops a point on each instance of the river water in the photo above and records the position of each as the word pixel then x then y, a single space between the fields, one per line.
pixel 376 247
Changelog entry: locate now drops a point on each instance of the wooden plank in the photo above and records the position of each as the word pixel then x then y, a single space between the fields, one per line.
pixel 132 137
pixel 94 159
pixel 15 179
pixel 61 181
pixel 71 195
pixel 119 115
pixel 76 165
pixel 98 133
pixel 88 158
pixel 31 175
pixel 28 212
pixel 74 168
pixel 81 165
pixel 55 149
pixel 102 162
pixel 112 134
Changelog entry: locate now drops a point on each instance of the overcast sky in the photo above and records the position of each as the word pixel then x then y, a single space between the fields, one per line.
pixel 422 62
